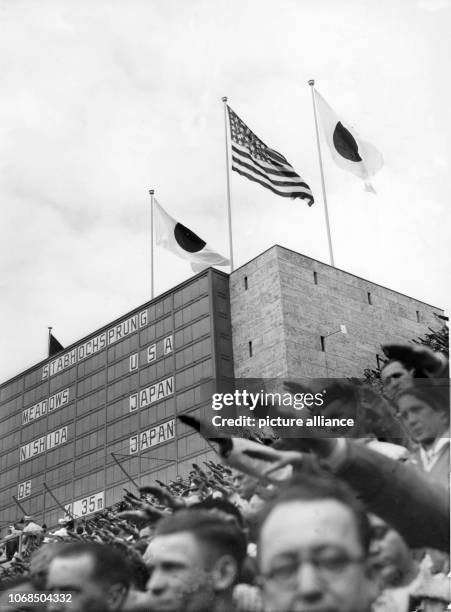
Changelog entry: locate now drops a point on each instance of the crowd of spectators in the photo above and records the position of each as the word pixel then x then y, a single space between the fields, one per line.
pixel 314 524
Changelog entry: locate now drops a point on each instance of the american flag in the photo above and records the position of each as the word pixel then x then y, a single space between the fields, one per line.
pixel 253 159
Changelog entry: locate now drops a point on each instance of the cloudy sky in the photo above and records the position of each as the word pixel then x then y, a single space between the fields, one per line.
pixel 101 101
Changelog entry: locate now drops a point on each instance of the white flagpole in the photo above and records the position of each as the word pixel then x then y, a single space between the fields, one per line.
pixel 151 192
pixel 229 207
pixel 326 213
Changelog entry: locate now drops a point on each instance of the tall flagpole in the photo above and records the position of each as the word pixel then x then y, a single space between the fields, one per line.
pixel 151 192
pixel 48 348
pixel 326 213
pixel 229 207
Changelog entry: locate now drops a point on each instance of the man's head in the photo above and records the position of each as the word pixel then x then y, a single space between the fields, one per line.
pixel 194 560
pixel 313 550
pixel 245 484
pixel 391 558
pixel 425 412
pixel 96 576
pixel 395 376
pixel 221 508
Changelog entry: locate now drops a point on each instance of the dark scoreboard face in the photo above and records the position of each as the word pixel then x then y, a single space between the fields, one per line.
pixel 113 398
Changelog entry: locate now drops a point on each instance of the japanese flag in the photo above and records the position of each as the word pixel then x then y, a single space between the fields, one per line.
pixel 172 235
pixel 348 150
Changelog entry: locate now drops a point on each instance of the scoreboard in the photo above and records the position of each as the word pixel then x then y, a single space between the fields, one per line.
pixel 113 397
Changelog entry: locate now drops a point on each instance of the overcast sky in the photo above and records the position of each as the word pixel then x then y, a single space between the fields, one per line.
pixel 101 101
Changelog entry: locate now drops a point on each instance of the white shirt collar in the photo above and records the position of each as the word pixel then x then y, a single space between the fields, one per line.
pixel 430 456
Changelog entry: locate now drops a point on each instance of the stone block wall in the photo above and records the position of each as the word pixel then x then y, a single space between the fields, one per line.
pixel 283 302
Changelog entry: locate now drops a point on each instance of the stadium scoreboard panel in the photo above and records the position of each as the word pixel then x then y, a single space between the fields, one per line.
pixel 117 391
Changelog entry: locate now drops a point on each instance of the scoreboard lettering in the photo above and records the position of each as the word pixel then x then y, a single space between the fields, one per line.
pixel 24 489
pixel 41 408
pixel 167 346
pixel 94 345
pixel 152 394
pixel 86 505
pixel 152 437
pixel 40 445
pixel 151 353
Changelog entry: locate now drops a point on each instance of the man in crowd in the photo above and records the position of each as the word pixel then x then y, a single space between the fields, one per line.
pixel 194 561
pixel 313 550
pixel 96 577
pixel 246 495
pixel 391 559
pixel 406 584
pixel 407 362
pixel 32 533
pixel 12 542
pixel 395 376
pixel 425 412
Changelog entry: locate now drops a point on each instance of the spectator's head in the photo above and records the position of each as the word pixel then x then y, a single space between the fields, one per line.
pixel 194 561
pixel 147 532
pixel 313 550
pixel 424 410
pixel 96 576
pixel 221 508
pixel 395 376
pixel 391 558
pixel 245 484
